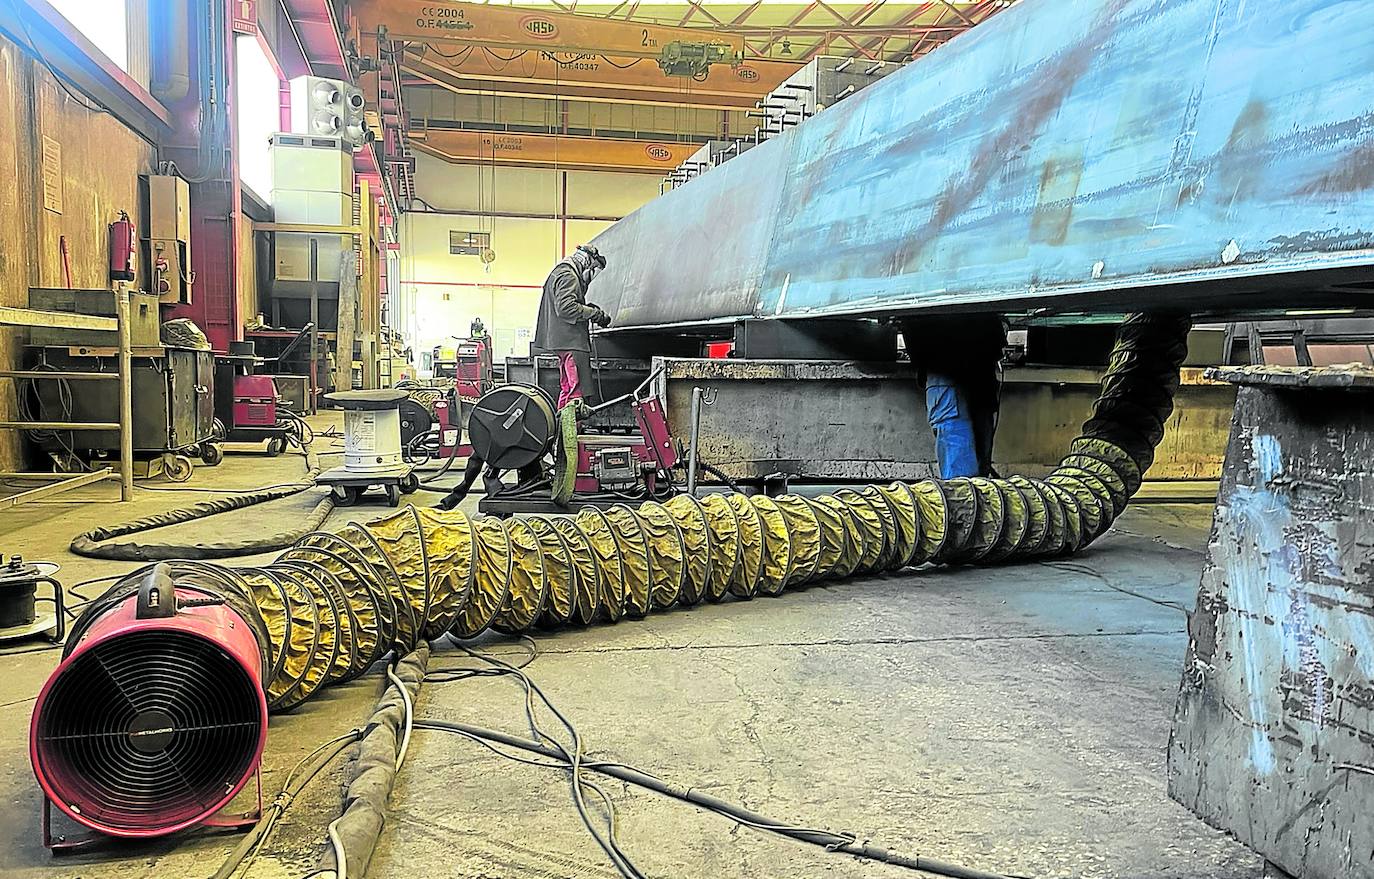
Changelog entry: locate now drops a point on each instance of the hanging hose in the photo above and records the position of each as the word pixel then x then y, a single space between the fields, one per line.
pixel 91 543
pixel 334 604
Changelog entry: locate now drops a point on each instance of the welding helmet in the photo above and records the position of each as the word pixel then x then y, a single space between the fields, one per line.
pixel 589 262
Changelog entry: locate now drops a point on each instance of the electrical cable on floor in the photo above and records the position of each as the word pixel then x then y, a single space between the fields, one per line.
pixel 830 840
pixel 340 856
pixel 74 610
pixel 574 757
pixel 552 749
pixel 410 716
pixel 252 844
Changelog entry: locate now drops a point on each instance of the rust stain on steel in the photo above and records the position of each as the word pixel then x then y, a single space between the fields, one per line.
pixel 1039 98
pixel 1354 173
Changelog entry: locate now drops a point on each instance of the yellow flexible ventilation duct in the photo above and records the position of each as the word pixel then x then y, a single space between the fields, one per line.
pixel 334 604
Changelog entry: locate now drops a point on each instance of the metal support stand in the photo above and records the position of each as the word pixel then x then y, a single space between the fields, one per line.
pixel 61 844
pixel 126 396
pixel 119 324
pixel 314 325
pixel 700 397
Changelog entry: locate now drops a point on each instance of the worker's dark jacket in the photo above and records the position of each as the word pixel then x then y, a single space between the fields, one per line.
pixel 563 312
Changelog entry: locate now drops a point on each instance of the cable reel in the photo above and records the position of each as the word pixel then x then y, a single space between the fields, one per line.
pixel 512 426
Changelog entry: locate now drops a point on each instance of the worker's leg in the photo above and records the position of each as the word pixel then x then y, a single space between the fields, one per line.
pixel 569 378
pixel 583 359
pixel 951 419
pixel 984 395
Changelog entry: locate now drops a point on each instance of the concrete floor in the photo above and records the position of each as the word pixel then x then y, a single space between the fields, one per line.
pixel 1011 719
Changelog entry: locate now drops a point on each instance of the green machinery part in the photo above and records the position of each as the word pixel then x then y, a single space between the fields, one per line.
pixel 334 603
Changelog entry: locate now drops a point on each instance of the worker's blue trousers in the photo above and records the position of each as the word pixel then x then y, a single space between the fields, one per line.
pixel 963 416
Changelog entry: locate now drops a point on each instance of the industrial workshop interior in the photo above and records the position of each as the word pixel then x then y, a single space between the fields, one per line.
pixel 576 439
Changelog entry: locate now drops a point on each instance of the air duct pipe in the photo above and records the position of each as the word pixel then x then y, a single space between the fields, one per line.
pixel 333 604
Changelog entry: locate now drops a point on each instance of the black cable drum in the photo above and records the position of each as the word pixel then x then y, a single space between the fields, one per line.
pixel 512 426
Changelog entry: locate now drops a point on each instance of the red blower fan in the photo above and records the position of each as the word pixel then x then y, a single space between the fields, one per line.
pixel 156 717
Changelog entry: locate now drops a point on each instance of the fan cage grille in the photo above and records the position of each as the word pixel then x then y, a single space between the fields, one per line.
pixel 149 731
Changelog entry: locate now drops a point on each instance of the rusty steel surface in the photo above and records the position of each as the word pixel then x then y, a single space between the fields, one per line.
pixel 1350 375
pixel 1273 736
pixel 1076 154
pixel 813 420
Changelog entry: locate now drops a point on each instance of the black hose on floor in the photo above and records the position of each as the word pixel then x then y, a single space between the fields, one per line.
pixel 91 544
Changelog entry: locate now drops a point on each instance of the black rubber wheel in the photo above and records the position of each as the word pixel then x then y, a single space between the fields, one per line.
pixel 275 446
pixel 345 495
pixel 177 468
pixel 512 426
pixel 393 495
pixel 410 483
pixel 211 454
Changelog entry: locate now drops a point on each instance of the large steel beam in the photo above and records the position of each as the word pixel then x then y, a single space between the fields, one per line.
pixel 1100 155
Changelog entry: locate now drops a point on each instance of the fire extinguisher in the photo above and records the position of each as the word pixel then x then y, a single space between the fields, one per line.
pixel 122 248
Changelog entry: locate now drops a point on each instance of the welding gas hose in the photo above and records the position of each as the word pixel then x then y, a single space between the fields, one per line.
pixel 335 603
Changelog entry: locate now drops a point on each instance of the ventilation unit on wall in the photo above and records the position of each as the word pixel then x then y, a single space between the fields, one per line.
pixel 329 108
pixel 312 183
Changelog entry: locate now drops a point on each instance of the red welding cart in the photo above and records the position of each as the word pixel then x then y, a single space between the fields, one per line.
pixel 248 408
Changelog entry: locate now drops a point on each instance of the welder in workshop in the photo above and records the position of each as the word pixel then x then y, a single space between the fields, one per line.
pixel 959 360
pixel 565 318
pixel 564 329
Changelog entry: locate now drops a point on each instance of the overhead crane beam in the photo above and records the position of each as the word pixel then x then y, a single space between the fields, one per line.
pixel 508 27
pixel 596 78
pixel 551 151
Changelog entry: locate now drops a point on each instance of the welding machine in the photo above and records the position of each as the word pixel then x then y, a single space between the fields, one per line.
pixel 255 401
pixel 514 427
pixel 473 374
pixel 247 405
